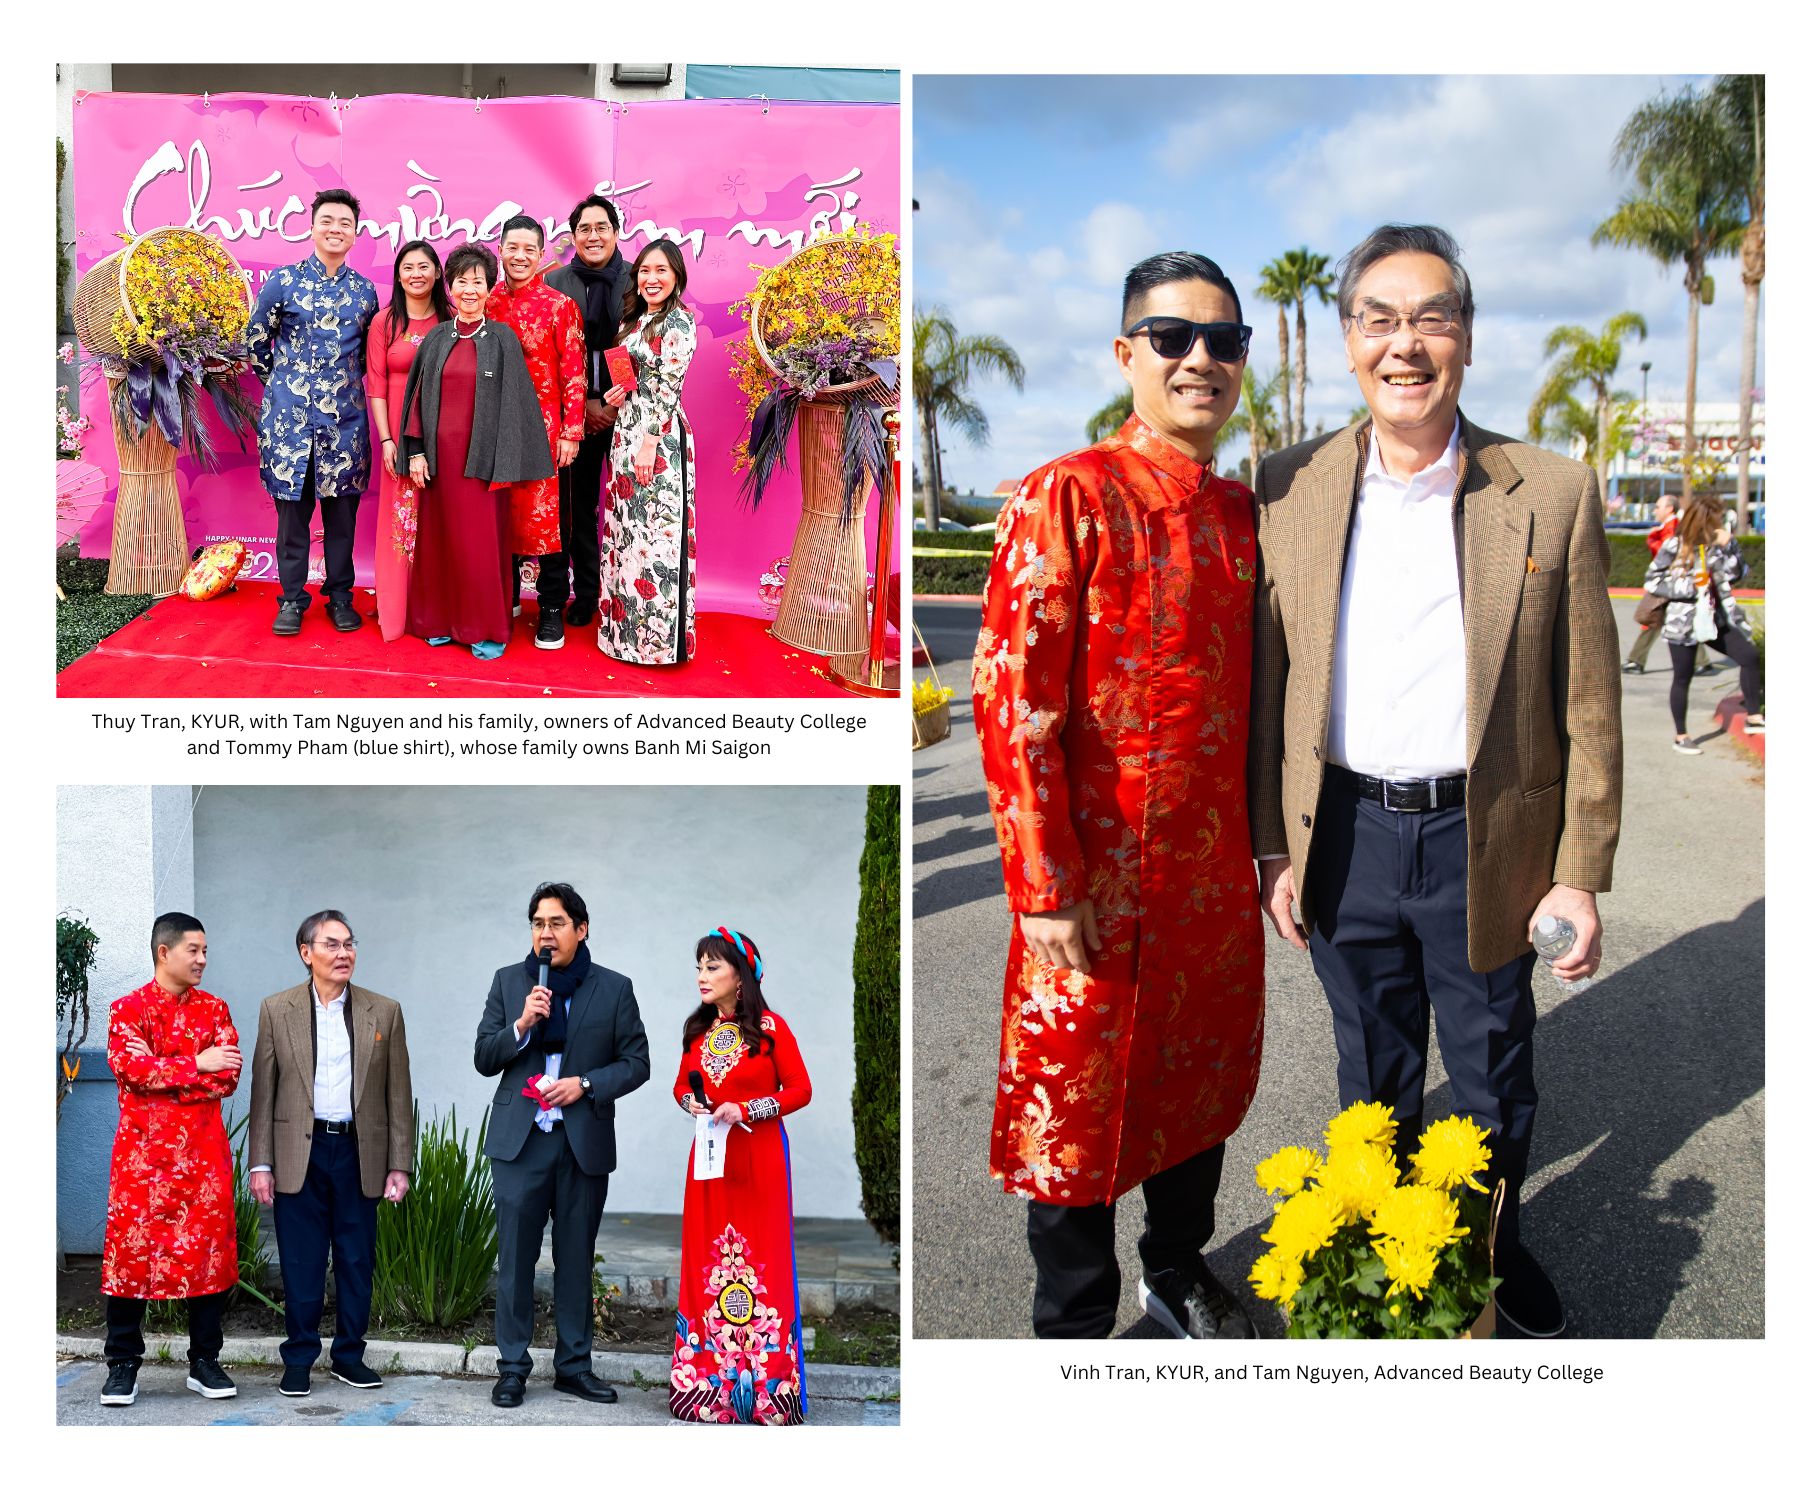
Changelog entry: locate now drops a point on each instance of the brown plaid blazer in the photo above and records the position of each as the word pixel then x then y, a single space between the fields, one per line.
pixel 1545 754
pixel 281 1088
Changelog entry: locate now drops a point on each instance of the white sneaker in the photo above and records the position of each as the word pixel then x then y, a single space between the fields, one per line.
pixel 1753 724
pixel 1685 746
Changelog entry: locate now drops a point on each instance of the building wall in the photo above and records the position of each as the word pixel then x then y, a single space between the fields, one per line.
pixel 488 80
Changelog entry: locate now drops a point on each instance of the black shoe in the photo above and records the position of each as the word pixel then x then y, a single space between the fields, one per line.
pixel 1527 1297
pixel 355 1372
pixel 296 1380
pixel 344 616
pixel 121 1384
pixel 1630 666
pixel 587 1385
pixel 550 628
pixel 582 612
pixel 509 1390
pixel 1196 1307
pixel 1707 670
pixel 287 618
pixel 205 1376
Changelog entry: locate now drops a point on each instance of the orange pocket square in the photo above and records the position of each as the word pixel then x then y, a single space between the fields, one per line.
pixel 1531 565
pixel 378 1036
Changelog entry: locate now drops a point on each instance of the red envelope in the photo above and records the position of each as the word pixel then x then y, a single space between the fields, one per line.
pixel 619 366
pixel 533 1091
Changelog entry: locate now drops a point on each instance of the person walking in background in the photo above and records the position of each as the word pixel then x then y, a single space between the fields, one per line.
pixel 597 280
pixel 331 1135
pixel 171 1214
pixel 1694 570
pixel 739 1356
pixel 549 326
pixel 417 304
pixel 647 552
pixel 471 428
pixel 1650 610
pixel 306 340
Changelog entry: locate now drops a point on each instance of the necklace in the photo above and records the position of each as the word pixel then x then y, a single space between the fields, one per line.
pixel 473 331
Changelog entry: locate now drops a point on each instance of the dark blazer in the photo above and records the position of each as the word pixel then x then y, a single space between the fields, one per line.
pixel 281 1088
pixel 507 443
pixel 1545 752
pixel 563 279
pixel 606 1045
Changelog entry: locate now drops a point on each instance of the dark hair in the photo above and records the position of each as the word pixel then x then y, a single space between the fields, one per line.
pixel 1171 265
pixel 560 890
pixel 309 929
pixel 522 221
pixel 594 200
pixel 440 299
pixel 1399 239
pixel 750 1007
pixel 465 256
pixel 336 195
pixel 633 307
pixel 170 928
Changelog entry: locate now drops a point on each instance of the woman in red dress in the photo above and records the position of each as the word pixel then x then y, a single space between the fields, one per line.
pixel 417 305
pixel 738 1355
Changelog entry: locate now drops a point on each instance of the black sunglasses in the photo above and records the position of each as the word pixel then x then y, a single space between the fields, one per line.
pixel 1173 337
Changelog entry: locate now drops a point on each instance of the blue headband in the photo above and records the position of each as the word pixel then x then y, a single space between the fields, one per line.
pixel 743 946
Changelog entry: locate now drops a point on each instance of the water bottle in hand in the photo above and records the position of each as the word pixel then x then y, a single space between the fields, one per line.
pixel 1553 937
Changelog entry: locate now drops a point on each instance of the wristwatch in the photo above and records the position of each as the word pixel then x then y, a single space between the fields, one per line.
pixel 587 1085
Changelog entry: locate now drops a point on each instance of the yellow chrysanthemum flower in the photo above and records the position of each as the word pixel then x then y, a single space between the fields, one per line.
pixel 1410 1267
pixel 1450 1153
pixel 1276 1278
pixel 1358 1177
pixel 1362 1123
pixel 1303 1225
pixel 1287 1171
pixel 1419 1215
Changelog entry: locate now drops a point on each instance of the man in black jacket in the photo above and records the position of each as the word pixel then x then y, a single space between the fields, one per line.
pixel 596 280
pixel 565 1037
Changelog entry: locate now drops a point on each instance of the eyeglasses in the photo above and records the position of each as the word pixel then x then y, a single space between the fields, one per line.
pixel 1384 322
pixel 332 945
pixel 1172 338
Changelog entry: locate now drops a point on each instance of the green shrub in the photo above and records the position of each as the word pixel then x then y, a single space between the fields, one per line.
pixel 1631 560
pixel 875 968
pixel 435 1250
pixel 964 511
pixel 64 266
pixel 955 541
pixel 85 620
pixel 949 575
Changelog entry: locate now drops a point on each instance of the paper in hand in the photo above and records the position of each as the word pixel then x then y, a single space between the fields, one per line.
pixel 620 368
pixel 709 1148
pixel 534 1090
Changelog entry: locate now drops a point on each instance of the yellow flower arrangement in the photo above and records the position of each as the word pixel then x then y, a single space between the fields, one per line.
pixel 929 695
pixel 1276 1278
pixel 1450 1155
pixel 1358 1177
pixel 188 298
pixel 1419 1215
pixel 1304 1225
pixel 1288 1170
pixel 1372 1124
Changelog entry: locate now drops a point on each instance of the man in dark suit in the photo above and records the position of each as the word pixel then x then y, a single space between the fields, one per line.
pixel 331 1135
pixel 565 1037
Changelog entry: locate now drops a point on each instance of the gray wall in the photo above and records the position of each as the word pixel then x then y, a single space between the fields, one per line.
pixel 435 882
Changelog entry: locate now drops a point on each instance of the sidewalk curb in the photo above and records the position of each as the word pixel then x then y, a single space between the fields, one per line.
pixel 1729 716
pixel 623 1367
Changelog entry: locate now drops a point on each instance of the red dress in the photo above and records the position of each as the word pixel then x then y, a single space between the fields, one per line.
pixel 549 326
pixel 462 567
pixel 738 1355
pixel 386 381
pixel 171 1219
pixel 1111 698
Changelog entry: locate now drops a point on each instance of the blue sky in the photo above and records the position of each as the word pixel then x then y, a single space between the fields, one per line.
pixel 1037 193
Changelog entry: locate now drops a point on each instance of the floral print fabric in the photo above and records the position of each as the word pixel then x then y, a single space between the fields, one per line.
pixel 550 329
pixel 1111 699
pixel 306 341
pixel 647 549
pixel 171 1220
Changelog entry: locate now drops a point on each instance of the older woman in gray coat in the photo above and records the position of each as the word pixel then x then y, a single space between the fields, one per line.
pixel 471 428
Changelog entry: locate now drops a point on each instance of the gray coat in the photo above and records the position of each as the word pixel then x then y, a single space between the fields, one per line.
pixel 1670 578
pixel 507 444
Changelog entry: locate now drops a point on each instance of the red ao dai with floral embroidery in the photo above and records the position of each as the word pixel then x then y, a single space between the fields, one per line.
pixel 171 1220
pixel 549 327
pixel 1111 698
pixel 738 1355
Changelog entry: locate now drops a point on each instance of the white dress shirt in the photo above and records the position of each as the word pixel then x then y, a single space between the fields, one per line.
pixel 331 1064
pixel 1399 679
pixel 546 1116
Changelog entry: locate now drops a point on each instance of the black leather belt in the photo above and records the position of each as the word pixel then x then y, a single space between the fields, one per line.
pixel 1425 794
pixel 334 1127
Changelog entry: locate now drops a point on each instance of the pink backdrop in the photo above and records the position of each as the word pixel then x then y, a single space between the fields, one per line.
pixel 732 181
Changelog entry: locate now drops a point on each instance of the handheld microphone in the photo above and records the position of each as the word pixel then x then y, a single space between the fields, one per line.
pixel 697 1085
pixel 544 956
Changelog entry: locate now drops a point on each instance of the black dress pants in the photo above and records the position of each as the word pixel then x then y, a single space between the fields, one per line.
pixel 125 1328
pixel 582 509
pixel 1742 651
pixel 293 543
pixel 1390 899
pixel 1077 1294
pixel 328 1214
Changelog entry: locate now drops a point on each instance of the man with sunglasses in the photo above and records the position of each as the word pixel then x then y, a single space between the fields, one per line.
pixel 1111 696
pixel 1436 759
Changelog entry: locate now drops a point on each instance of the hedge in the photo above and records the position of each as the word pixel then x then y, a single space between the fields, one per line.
pixel 1631 559
pixel 949 575
pixel 88 615
pixel 955 541
pixel 875 968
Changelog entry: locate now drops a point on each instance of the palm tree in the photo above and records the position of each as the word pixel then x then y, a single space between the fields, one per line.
pixel 1286 281
pixel 1590 360
pixel 1567 419
pixel 943 364
pixel 1254 418
pixel 1686 210
pixel 1738 98
pixel 1110 418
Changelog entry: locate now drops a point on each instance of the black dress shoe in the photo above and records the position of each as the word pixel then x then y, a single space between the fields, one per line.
pixel 205 1376
pixel 355 1372
pixel 1527 1297
pixel 550 629
pixel 296 1380
pixel 344 616
pixel 287 618
pixel 121 1384
pixel 587 1385
pixel 582 612
pixel 509 1390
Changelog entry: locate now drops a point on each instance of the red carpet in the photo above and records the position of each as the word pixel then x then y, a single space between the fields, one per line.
pixel 225 649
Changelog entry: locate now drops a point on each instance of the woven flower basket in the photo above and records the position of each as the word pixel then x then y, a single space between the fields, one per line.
pixel 931 726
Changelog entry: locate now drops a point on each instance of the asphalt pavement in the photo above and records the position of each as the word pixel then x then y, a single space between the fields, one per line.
pixel 1645 1200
